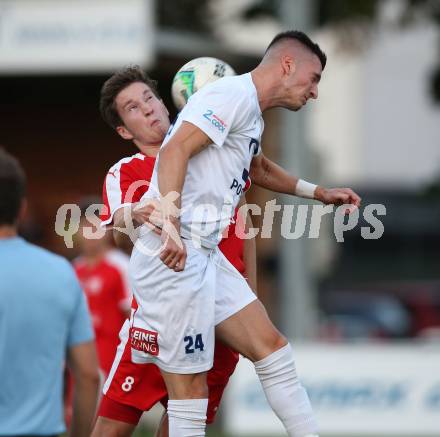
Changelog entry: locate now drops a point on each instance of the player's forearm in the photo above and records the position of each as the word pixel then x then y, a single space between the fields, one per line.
pixel 271 176
pixel 84 406
pixel 173 163
pixel 123 221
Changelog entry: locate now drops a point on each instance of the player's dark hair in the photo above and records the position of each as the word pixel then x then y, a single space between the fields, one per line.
pixel 304 40
pixel 114 85
pixel 12 188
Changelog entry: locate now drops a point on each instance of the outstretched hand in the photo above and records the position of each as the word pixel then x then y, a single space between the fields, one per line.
pixel 338 196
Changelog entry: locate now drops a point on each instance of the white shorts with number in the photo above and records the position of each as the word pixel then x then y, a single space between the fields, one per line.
pixel 173 326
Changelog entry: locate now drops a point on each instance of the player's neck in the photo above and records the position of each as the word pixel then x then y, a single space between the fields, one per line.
pixel 7 231
pixel 148 149
pixel 263 87
pixel 266 90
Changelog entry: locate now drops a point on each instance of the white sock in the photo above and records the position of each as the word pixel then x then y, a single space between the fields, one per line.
pixel 285 394
pixel 187 418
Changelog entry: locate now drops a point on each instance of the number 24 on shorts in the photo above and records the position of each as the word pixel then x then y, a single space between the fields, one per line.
pixel 193 343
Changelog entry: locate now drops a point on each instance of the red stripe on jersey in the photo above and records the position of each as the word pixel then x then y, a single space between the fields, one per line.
pixel 231 245
pixel 247 185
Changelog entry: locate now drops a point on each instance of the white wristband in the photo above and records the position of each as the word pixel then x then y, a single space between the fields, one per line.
pixel 305 189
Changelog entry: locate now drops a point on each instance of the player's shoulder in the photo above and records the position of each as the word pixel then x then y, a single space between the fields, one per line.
pixel 240 82
pixel 57 265
pixel 223 96
pixel 46 256
pixel 128 162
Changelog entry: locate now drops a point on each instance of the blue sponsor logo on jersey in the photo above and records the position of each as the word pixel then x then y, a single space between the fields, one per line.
pixel 237 186
pixel 255 144
pixel 215 120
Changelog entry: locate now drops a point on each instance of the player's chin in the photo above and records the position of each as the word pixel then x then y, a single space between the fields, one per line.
pixel 294 107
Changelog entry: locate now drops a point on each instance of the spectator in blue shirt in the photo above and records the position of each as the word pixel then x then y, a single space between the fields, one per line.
pixel 43 319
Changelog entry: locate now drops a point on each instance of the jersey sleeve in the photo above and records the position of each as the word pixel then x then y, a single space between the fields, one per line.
pixel 112 196
pixel 125 184
pixel 217 110
pixel 80 327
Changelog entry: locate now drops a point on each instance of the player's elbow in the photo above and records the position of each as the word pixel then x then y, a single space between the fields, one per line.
pixel 89 377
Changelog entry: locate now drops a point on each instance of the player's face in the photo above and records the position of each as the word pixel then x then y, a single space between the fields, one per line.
pixel 144 115
pixel 302 83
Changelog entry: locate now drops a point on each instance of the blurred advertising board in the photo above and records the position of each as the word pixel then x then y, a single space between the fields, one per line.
pixel 75 35
pixel 356 389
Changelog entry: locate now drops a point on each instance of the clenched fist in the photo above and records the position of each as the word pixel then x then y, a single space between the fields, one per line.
pixel 338 196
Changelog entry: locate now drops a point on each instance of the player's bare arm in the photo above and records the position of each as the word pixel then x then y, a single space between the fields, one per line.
pixel 83 363
pixel 126 222
pixel 173 162
pixel 267 174
pixel 120 234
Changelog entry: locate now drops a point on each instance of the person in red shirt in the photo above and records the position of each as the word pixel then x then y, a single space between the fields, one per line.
pixel 103 273
pixel 133 388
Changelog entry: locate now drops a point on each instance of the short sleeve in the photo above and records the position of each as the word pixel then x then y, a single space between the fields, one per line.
pixel 80 328
pixel 217 109
pixel 111 196
pixel 125 183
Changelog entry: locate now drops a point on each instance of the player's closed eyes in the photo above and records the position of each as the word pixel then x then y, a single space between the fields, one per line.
pixel 133 107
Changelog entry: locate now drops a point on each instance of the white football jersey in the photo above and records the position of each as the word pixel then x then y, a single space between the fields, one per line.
pixel 229 113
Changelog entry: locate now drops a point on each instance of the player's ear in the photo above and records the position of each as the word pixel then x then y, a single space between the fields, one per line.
pixel 288 65
pixel 124 133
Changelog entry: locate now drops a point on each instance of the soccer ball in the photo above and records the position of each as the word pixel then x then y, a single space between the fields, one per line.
pixel 194 75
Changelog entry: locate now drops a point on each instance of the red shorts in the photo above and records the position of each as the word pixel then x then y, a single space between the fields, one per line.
pixel 134 388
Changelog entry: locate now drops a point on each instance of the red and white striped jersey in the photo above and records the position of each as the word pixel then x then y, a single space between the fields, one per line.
pixel 125 183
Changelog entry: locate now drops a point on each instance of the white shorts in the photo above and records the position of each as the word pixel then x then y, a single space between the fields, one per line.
pixel 173 326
